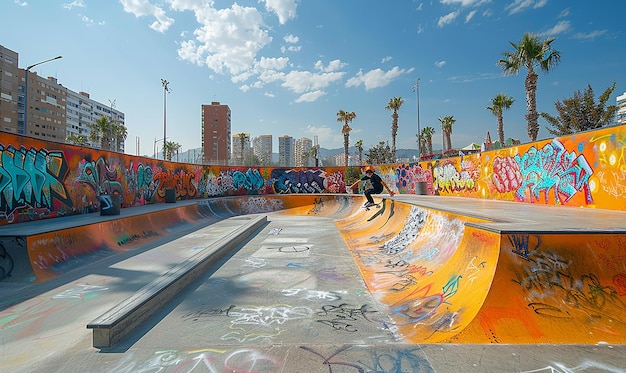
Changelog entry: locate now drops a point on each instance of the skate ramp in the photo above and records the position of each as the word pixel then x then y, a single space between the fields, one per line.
pixel 450 278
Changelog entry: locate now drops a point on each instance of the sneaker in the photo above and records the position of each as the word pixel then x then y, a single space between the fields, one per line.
pixel 369 204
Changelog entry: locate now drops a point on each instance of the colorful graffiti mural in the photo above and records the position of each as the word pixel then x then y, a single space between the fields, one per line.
pixel 40 179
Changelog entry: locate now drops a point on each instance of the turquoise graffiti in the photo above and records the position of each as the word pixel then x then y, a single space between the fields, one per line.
pixel 553 168
pixel 32 177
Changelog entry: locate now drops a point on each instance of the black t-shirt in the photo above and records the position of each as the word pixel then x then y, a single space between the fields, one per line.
pixel 376 182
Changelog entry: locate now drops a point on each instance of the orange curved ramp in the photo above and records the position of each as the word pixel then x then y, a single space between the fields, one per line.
pixel 447 280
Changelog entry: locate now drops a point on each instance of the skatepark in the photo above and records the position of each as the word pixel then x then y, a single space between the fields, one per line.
pixel 315 283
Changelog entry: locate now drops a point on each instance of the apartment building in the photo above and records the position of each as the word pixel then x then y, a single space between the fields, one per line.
pixel 286 150
pixel 262 148
pixel 216 133
pixel 302 154
pixel 40 107
pixel 621 109
pixel 242 149
pixel 9 91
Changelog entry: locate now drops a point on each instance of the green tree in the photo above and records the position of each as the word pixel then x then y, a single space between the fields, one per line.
pixel 76 139
pixel 359 148
pixel 446 128
pixel 498 104
pixel 170 149
pixel 530 53
pixel 346 117
pixel 107 133
pixel 242 142
pixel 101 133
pixel 582 113
pixel 394 105
pixel 427 139
pixel 380 154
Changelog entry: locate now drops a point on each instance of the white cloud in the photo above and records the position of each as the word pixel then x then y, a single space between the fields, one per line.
pixel 464 2
pixel 470 15
pixel 76 3
pixel 141 8
pixel 310 96
pixel 284 9
pixel 333 65
pixel 21 3
pixel 376 78
pixel 447 19
pixel 519 6
pixel 228 40
pixel 564 13
pixel 440 64
pixel 386 59
pixel 590 35
pixel 291 39
pixel 560 27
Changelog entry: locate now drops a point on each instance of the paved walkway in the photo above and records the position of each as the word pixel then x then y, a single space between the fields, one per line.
pixel 292 299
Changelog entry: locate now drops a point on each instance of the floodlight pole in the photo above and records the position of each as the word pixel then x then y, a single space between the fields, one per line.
pixel 166 90
pixel 416 89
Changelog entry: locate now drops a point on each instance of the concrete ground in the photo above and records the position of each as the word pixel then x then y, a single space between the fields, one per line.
pixel 291 299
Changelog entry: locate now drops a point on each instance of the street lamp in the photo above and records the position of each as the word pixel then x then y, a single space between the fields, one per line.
pixel 26 87
pixel 416 89
pixel 166 90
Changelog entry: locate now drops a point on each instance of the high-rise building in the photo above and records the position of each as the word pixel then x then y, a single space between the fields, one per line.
pixel 621 109
pixel 83 113
pixel 262 147
pixel 302 152
pixel 216 133
pixel 54 111
pixel 286 149
pixel 9 91
pixel 241 149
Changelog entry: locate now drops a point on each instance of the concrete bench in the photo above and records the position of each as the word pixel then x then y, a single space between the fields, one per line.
pixel 112 326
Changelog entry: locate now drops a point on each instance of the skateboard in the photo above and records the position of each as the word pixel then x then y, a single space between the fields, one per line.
pixel 378 205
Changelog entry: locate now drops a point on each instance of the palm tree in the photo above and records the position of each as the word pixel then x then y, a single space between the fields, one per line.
pixel 170 147
pixel 242 141
pixel 359 148
pixel 394 104
pixel 498 104
pixel 427 138
pixel 530 53
pixel 76 139
pixel 102 132
pixel 346 117
pixel 120 133
pixel 446 128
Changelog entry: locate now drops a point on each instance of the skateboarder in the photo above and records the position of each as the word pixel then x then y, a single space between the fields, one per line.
pixel 377 186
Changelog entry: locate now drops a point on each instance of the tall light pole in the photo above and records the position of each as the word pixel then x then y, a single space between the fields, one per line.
pixel 166 90
pixel 416 89
pixel 26 87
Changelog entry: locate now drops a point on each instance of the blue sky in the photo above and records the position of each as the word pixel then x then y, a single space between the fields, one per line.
pixel 286 67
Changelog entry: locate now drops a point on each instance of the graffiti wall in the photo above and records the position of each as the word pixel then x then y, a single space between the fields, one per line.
pixel 40 179
pixel 584 170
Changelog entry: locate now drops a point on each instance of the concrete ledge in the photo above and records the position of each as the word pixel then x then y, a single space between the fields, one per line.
pixel 112 326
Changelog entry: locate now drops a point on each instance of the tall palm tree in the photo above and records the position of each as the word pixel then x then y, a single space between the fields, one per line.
pixel 346 117
pixel 394 104
pixel 120 133
pixel 427 138
pixel 242 142
pixel 446 128
pixel 498 104
pixel 530 53
pixel 170 147
pixel 101 132
pixel 359 148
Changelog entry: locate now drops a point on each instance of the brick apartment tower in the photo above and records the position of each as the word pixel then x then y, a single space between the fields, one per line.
pixel 216 134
